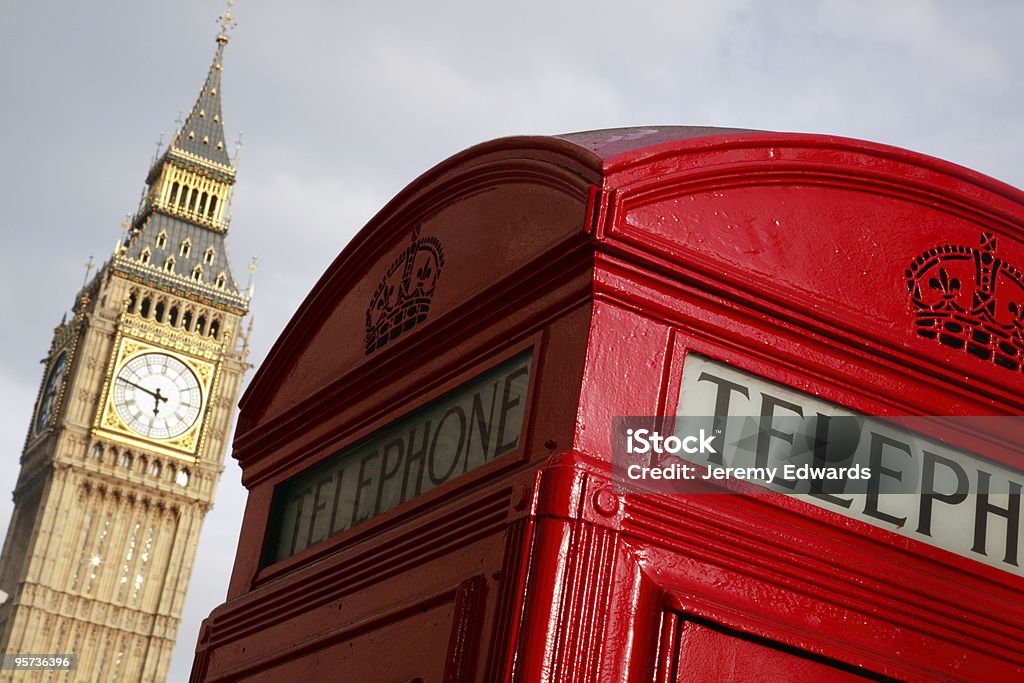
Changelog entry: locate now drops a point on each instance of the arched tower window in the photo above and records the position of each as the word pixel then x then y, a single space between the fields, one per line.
pixel 222 280
pixel 161 239
pixel 154 468
pixel 215 328
pixel 201 324
pixel 202 203
pixel 181 478
pixel 192 199
pixel 172 316
pixel 186 247
pixel 186 321
pixel 209 256
pixel 213 204
pixel 97 452
pixel 174 192
pixel 144 308
pixel 197 273
pixel 169 264
pixel 125 459
pixel 184 197
pixel 158 312
pixel 144 258
pixel 133 300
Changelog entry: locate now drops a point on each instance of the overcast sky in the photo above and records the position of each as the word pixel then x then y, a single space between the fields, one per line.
pixel 343 105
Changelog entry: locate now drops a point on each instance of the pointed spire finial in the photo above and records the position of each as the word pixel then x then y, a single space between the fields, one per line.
pixel 252 277
pixel 159 144
pixel 243 338
pixel 226 23
pixel 122 242
pixel 88 268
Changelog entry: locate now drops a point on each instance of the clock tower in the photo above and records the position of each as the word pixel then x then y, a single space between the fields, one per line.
pixel 127 441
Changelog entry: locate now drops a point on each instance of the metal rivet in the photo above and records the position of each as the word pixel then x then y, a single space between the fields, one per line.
pixel 606 502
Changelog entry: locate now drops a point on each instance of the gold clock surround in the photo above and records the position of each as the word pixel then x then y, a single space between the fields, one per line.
pixel 183 446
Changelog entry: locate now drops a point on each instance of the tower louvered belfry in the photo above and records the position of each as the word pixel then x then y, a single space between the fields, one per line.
pixel 127 441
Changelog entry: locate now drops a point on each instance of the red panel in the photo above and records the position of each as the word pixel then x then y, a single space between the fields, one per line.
pixel 372 657
pixel 469 211
pixel 626 351
pixel 710 655
pixel 822 236
pixel 816 588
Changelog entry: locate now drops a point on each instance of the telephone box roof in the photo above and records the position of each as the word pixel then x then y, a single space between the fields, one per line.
pixel 599 174
pixel 612 142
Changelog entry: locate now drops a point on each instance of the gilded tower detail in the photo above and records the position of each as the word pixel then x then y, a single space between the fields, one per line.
pixel 127 442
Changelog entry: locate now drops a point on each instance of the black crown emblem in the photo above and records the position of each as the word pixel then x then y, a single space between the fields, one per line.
pixel 970 299
pixel 403 297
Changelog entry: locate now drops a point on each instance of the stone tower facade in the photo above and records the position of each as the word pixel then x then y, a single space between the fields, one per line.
pixel 127 441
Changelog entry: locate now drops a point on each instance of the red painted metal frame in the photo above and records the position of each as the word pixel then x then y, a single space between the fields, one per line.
pixel 613 255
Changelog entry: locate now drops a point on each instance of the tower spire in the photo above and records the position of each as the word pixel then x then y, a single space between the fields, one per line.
pixel 177 236
pixel 202 134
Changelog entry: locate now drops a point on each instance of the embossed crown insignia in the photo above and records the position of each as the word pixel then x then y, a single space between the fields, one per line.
pixel 403 297
pixel 970 299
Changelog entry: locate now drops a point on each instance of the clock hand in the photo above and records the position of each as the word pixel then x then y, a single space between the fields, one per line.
pixel 155 394
pixel 137 386
pixel 156 403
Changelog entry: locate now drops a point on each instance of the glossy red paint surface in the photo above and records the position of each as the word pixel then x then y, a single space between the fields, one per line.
pixel 613 255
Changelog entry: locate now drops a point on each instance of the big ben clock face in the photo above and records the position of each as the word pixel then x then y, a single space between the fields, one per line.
pixel 51 391
pixel 157 396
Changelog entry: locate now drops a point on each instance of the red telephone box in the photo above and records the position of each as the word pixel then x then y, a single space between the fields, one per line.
pixel 431 448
